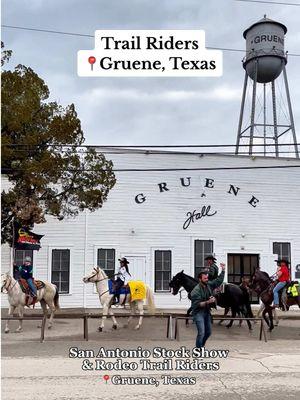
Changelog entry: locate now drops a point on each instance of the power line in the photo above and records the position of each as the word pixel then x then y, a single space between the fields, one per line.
pixel 91 36
pixel 141 146
pixel 270 2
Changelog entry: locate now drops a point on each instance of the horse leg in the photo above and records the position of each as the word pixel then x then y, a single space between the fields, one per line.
pixel 52 307
pixel 115 324
pixel 233 314
pixel 21 312
pixel 247 314
pixel 104 316
pixel 226 311
pixel 140 308
pixel 276 317
pixel 270 312
pixel 187 316
pixel 10 314
pixel 132 312
pixel 44 308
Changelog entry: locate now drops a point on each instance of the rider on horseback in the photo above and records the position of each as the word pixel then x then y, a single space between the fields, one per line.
pixel 212 267
pixel 26 273
pixel 283 276
pixel 123 276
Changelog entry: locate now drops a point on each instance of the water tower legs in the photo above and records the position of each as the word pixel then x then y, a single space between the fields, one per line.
pixel 290 111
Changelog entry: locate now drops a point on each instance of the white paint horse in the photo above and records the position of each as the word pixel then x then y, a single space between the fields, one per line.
pixel 48 295
pixel 99 277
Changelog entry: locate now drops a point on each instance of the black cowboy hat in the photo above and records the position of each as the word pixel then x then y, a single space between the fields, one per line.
pixel 210 257
pixel 123 260
pixel 284 260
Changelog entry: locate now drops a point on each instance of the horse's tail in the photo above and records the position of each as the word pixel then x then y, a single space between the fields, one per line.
pixel 56 298
pixel 150 300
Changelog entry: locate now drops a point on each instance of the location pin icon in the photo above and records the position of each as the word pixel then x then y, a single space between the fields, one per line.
pixel 92 61
pixel 106 378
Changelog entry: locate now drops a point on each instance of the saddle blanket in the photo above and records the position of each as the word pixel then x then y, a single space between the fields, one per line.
pixel 123 290
pixel 137 290
pixel 292 290
pixel 25 288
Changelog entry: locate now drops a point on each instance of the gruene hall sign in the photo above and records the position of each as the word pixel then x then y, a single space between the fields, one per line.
pixel 205 210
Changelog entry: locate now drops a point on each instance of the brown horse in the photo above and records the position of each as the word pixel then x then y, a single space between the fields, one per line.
pixel 263 285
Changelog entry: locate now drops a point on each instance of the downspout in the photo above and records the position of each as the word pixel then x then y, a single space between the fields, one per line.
pixel 85 257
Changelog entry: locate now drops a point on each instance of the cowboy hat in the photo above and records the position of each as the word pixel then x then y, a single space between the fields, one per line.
pixel 123 260
pixel 210 257
pixel 280 260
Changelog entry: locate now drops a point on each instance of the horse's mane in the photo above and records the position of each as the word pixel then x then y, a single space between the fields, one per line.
pixel 102 272
pixel 190 277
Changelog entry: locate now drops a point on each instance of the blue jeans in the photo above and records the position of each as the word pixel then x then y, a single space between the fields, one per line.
pixel 203 322
pixel 276 289
pixel 32 286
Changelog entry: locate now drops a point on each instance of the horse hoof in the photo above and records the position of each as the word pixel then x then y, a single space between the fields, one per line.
pixel 18 330
pixel 114 327
pixel 100 329
pixel 50 326
pixel 6 331
pixel 137 327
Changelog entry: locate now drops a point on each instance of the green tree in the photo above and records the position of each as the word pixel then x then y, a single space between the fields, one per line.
pixel 47 172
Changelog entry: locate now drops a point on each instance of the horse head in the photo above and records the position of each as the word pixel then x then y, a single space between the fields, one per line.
pixel 6 279
pixel 95 276
pixel 259 280
pixel 176 282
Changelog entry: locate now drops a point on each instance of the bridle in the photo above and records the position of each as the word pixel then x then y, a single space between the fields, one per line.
pixel 98 280
pixel 7 288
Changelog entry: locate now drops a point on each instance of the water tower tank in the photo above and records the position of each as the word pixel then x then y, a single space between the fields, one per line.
pixel 265 45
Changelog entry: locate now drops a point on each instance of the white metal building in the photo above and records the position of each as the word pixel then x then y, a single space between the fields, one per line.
pixel 167 221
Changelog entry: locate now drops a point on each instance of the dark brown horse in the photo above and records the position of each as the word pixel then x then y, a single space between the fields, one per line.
pixel 263 285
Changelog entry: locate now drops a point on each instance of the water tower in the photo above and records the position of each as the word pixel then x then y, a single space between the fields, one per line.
pixel 265 63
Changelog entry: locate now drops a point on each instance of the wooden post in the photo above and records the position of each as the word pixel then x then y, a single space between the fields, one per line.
pixel 261 329
pixel 264 331
pixel 168 326
pixel 176 329
pixel 85 328
pixel 43 328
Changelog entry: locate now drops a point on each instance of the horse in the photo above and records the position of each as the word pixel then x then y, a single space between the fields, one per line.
pixel 101 280
pixel 233 297
pixel 263 285
pixel 48 295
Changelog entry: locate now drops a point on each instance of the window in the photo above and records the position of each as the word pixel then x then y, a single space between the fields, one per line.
pixel 19 260
pixel 61 270
pixel 203 248
pixel 240 265
pixel 163 268
pixel 282 249
pixel 106 261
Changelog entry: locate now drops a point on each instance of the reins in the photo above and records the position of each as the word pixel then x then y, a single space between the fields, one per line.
pixel 7 288
pixel 180 295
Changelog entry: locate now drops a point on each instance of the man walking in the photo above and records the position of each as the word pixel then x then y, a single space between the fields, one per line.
pixel 202 299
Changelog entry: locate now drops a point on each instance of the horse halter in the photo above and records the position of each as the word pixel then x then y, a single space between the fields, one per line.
pixel 7 287
pixel 98 280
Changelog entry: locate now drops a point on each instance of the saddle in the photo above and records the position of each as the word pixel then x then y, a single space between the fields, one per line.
pixel 25 288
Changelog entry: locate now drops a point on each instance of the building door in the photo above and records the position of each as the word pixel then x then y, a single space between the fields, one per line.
pixel 137 267
pixel 240 265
